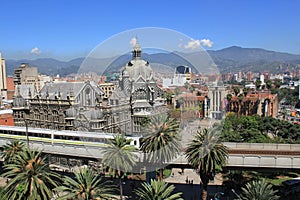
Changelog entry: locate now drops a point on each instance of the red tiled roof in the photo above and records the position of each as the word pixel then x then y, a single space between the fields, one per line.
pixel 10 84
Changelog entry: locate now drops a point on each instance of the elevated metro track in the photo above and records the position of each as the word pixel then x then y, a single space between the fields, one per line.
pixel 89 146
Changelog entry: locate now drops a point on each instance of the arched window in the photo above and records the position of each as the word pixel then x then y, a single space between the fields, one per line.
pixel 45 115
pixel 36 114
pixel 55 116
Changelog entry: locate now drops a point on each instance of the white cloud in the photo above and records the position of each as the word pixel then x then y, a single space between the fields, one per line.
pixel 206 42
pixel 35 51
pixel 133 41
pixel 193 44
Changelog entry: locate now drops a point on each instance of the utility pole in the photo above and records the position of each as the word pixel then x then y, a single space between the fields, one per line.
pixel 27 136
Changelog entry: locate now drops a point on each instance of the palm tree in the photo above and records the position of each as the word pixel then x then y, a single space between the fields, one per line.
pixel 11 150
pixel 229 97
pixel 259 190
pixel 85 186
pixel 245 91
pixel 162 142
pixel 236 90
pixel 30 177
pixel 157 190
pixel 206 153
pixel 120 155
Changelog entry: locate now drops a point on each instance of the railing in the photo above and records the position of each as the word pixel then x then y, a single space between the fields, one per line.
pixel 263 146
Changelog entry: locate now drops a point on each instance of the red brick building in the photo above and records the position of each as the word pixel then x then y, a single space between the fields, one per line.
pixel 10 88
pixel 260 103
pixel 6 118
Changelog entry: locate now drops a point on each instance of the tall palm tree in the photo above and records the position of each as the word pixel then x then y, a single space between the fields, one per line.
pixel 11 150
pixel 206 154
pixel 229 97
pixel 162 142
pixel 85 186
pixel 30 176
pixel 120 155
pixel 157 190
pixel 259 190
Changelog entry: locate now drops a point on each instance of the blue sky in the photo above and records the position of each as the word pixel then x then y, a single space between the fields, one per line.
pixel 66 29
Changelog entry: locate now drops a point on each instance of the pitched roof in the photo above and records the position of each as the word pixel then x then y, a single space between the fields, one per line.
pixel 64 89
pixel 25 90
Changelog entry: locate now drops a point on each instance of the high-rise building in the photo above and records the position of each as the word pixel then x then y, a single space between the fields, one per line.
pixel 26 74
pixel 3 87
pixel 216 95
pixel 249 76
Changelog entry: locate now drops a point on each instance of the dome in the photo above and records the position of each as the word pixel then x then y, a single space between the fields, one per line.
pixel 183 70
pixel 137 66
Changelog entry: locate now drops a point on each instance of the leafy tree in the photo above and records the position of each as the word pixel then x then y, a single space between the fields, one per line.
pixel 120 155
pixel 207 154
pixel 186 85
pixel 11 150
pixel 192 88
pixel 30 177
pixel 259 129
pixel 85 186
pixel 169 97
pixel 277 83
pixel 269 84
pixel 259 190
pixel 162 142
pixel 258 83
pixel 157 190
pixel 177 91
pixel 180 102
pixel 234 179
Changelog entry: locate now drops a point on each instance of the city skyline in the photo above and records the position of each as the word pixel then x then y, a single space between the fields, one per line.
pixel 66 30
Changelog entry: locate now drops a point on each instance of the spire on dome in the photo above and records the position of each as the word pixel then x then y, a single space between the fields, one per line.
pixel 137 50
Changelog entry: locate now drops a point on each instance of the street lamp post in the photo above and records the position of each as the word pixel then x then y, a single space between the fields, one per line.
pixel 234 192
pixel 27 136
pixel 26 114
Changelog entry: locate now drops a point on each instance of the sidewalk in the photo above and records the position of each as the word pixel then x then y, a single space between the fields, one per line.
pixel 190 175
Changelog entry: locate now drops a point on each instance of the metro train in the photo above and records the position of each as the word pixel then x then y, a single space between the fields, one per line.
pixel 81 138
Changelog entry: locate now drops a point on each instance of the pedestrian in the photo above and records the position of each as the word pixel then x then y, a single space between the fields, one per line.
pixel 187 180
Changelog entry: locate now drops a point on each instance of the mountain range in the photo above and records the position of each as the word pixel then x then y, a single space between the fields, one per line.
pixel 230 59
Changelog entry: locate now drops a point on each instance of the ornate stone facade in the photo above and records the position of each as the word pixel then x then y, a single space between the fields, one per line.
pixel 56 105
pixel 79 106
pixel 137 97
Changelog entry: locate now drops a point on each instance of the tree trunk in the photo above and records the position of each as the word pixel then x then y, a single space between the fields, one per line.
pixel 161 171
pixel 204 193
pixel 121 188
pixel 204 179
pixel 120 182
